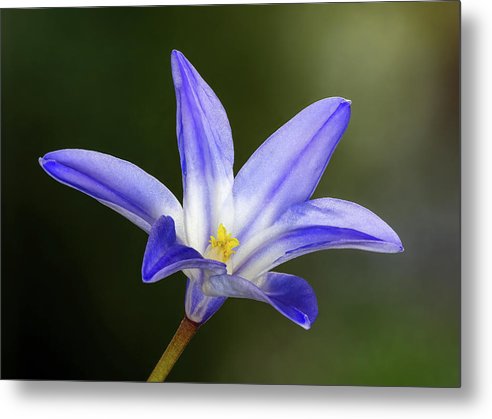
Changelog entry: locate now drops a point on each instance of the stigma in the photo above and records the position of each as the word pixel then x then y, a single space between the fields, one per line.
pixel 221 247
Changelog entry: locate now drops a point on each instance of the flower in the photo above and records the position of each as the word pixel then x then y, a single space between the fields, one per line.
pixel 232 231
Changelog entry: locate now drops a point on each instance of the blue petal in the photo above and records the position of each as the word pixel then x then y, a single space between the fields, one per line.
pixel 286 169
pixel 206 151
pixel 165 256
pixel 198 306
pixel 316 225
pixel 115 183
pixel 290 295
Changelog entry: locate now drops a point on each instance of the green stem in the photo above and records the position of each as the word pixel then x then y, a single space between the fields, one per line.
pixel 181 338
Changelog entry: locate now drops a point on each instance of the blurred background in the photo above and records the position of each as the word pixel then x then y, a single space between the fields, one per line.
pixel 73 303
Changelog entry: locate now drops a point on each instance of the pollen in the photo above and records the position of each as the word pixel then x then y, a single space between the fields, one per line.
pixel 224 243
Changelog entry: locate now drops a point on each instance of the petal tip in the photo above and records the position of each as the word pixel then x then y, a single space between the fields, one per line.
pixel 306 326
pixel 308 322
pixel 393 246
pixel 176 53
pixel 48 165
pixel 146 274
pixel 397 243
pixel 147 277
pixel 45 159
pixel 397 248
pixel 178 65
pixel 308 318
pixel 178 58
pixel 345 104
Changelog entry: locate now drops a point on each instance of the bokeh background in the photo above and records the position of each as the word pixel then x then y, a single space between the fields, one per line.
pixel 73 303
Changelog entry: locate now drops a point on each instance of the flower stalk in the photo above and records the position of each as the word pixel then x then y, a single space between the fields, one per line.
pixel 180 340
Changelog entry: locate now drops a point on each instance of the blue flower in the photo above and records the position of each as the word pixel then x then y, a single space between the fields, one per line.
pixel 232 231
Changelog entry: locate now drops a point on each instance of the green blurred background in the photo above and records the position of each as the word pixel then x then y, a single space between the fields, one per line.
pixel 73 303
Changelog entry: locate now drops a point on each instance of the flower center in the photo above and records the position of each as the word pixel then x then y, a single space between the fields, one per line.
pixel 222 245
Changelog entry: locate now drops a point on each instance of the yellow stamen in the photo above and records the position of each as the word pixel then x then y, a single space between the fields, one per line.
pixel 224 243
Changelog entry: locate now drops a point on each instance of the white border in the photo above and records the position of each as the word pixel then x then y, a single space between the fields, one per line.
pixel 129 400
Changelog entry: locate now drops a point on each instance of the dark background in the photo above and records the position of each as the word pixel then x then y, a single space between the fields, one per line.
pixel 73 303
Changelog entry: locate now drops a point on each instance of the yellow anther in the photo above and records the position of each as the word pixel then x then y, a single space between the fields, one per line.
pixel 223 244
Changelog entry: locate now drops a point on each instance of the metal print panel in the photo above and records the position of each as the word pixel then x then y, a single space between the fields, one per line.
pixel 279 188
